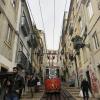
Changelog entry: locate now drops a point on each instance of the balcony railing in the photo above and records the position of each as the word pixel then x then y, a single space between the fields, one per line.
pixel 32 42
pixel 22 60
pixel 24 26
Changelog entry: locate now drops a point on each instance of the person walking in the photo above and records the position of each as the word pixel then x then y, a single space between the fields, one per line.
pixel 9 94
pixel 85 89
pixel 35 84
pixel 32 85
pixel 18 83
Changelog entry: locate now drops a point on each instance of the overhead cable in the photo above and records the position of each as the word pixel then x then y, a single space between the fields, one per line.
pixel 31 15
pixel 54 25
pixel 41 15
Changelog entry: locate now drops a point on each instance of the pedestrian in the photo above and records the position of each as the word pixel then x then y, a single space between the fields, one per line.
pixel 10 95
pixel 28 82
pixel 85 89
pixel 18 82
pixel 36 84
pixel 32 81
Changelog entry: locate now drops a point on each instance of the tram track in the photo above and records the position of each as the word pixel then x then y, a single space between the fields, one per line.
pixel 63 95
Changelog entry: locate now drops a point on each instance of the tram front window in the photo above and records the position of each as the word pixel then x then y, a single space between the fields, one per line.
pixel 53 73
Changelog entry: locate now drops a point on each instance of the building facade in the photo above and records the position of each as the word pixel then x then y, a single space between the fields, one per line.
pixel 25 38
pixel 18 36
pixel 82 41
pixel 8 23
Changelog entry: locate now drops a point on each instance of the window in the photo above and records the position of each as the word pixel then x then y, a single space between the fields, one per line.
pixel 13 3
pixel 90 9
pixel 24 24
pixel 85 55
pixel 0 14
pixel 96 41
pixel 77 1
pixel 3 1
pixel 20 46
pixel 9 34
pixel 99 4
pixel 80 22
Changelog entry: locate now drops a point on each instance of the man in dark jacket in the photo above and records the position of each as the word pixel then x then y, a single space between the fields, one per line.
pixel 14 86
pixel 18 83
pixel 35 84
pixel 85 89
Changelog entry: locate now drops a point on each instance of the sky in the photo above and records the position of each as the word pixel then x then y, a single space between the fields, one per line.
pixel 47 9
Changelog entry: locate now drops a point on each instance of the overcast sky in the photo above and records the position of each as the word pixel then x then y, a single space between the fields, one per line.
pixel 47 7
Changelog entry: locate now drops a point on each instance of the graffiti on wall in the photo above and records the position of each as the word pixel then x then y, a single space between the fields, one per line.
pixel 93 79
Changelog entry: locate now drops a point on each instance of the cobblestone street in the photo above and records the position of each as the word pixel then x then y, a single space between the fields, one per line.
pixel 36 96
pixel 49 49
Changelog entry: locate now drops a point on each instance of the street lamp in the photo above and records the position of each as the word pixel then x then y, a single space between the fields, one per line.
pixel 78 44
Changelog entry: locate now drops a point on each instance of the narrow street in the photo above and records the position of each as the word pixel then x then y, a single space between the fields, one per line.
pixel 63 95
pixel 49 49
pixel 66 93
pixel 41 95
pixel 36 96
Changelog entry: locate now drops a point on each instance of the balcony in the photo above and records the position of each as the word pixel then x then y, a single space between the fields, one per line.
pixel 40 52
pixel 22 60
pixel 31 41
pixel 24 26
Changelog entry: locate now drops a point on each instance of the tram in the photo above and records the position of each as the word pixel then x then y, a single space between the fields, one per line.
pixel 52 79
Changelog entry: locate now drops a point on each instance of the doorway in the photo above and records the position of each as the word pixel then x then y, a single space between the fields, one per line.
pixel 3 69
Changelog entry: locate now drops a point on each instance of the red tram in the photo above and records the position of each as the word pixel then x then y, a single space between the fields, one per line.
pixel 52 80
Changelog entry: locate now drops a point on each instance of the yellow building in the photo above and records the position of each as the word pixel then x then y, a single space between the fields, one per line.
pixel 82 39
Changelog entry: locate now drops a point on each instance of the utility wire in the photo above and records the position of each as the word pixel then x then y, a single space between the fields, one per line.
pixel 41 15
pixel 65 5
pixel 54 25
pixel 63 16
pixel 42 20
pixel 31 15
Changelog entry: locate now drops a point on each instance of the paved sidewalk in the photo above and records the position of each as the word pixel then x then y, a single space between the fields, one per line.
pixel 36 95
pixel 75 92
